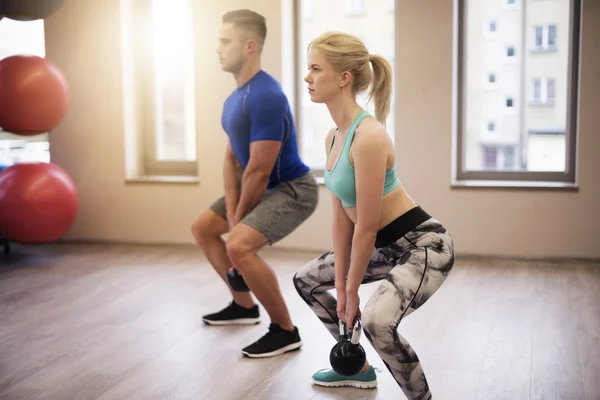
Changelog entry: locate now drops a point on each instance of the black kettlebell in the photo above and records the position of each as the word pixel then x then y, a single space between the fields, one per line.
pixel 348 357
pixel 236 281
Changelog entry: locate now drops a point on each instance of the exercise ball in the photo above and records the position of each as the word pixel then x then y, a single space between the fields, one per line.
pixel 38 203
pixel 29 10
pixel 34 96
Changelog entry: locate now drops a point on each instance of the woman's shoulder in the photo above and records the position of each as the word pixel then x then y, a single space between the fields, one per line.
pixel 370 129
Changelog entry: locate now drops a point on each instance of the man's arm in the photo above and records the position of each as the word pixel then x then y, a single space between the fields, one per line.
pixel 232 177
pixel 256 176
pixel 267 113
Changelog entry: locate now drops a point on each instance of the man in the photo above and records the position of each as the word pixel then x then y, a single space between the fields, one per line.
pixel 269 191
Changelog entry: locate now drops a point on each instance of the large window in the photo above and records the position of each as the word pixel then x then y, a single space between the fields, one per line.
pixel 535 58
pixel 313 120
pixel 160 43
pixel 22 38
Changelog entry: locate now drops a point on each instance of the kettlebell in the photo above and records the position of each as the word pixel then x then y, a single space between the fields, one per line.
pixel 348 357
pixel 236 281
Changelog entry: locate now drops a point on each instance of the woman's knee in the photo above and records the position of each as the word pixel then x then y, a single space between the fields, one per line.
pixel 310 276
pixel 377 322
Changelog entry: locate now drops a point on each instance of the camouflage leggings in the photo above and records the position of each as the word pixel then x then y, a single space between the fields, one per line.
pixel 411 270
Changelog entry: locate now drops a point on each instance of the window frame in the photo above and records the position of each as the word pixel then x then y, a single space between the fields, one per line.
pixel 145 99
pixel 461 177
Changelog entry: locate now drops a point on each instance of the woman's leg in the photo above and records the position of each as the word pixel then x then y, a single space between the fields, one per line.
pixel 419 272
pixel 314 281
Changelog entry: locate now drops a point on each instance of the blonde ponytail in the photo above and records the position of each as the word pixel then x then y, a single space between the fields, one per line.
pixel 381 90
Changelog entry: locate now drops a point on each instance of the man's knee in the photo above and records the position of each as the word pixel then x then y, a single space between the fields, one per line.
pixel 243 244
pixel 207 227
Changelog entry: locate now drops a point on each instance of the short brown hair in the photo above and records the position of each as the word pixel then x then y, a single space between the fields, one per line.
pixel 248 20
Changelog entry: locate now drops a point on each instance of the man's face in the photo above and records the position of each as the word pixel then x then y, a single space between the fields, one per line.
pixel 232 48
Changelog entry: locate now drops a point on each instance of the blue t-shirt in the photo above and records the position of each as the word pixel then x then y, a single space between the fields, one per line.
pixel 259 110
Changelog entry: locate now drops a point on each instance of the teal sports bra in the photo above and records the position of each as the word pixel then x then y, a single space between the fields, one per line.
pixel 341 179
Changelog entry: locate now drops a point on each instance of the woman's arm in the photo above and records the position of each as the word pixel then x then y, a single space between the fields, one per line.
pixel 369 167
pixel 342 229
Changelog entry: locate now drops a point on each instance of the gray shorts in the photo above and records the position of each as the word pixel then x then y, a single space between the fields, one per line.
pixel 281 209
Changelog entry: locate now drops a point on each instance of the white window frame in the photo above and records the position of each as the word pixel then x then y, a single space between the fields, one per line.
pixel 461 177
pixel 544 86
pixel 146 131
pixel 545 46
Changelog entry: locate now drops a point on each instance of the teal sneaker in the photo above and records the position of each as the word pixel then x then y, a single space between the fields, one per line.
pixel 330 378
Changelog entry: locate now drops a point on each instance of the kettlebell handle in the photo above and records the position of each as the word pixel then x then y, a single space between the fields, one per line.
pixel 356 331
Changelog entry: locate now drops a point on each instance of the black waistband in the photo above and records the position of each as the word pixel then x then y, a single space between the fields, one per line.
pixel 401 226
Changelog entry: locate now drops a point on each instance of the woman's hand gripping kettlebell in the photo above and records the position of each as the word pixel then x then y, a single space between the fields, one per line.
pixel 348 357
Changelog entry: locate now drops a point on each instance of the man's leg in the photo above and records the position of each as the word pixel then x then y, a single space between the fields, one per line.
pixel 243 246
pixel 207 231
pixel 280 211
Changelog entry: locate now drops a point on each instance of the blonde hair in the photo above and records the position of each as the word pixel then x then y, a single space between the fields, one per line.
pixel 348 53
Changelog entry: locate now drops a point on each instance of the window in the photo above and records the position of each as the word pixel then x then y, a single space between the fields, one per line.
pixel 308 9
pixel 509 4
pixel 22 38
pixel 162 71
pixel 313 120
pixel 539 36
pixel 543 91
pixel 509 158
pixel 551 36
pixel 489 157
pixel 490 28
pixel 498 158
pixel 491 126
pixel 537 143
pixel 492 78
pixel 353 7
pixel 550 91
pixel 537 90
pixel 544 38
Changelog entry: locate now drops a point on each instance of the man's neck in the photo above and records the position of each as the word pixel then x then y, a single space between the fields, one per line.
pixel 246 73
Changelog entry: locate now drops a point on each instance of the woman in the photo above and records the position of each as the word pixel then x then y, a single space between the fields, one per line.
pixel 379 232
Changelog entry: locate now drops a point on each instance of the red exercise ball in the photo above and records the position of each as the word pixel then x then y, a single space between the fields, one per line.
pixel 34 96
pixel 38 202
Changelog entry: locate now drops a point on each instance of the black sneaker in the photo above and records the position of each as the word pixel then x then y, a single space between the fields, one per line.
pixel 276 341
pixel 233 314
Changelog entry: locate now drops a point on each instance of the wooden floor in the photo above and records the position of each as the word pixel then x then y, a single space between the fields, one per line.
pixel 124 322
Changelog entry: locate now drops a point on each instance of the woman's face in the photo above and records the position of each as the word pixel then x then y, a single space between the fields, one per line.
pixel 323 81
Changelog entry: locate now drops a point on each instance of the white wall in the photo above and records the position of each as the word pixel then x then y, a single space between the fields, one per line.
pixel 83 38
